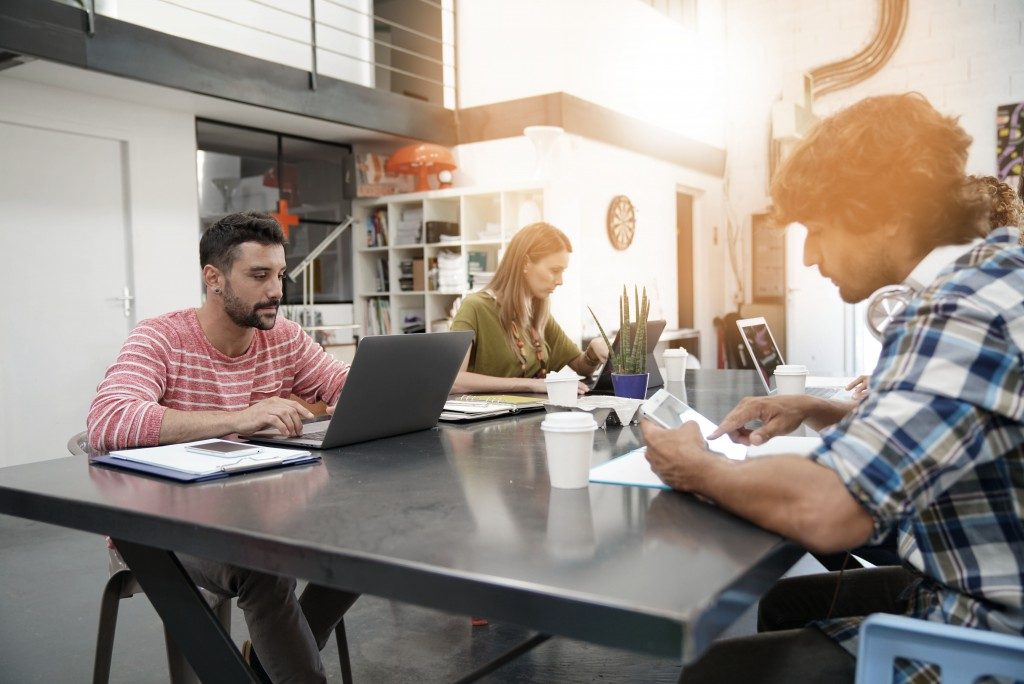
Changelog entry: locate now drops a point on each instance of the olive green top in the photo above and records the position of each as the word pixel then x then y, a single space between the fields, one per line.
pixel 492 353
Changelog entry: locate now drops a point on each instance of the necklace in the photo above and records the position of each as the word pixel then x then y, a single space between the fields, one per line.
pixel 538 349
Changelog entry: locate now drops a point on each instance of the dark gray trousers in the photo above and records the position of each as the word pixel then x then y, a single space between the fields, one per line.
pixel 287 632
pixel 786 650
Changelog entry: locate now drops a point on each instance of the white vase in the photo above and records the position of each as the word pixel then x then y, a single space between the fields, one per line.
pixel 547 142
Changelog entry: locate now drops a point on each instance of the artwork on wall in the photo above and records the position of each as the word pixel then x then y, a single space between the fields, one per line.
pixel 1010 144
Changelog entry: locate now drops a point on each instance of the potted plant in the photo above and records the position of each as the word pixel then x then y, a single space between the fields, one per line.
pixel 629 361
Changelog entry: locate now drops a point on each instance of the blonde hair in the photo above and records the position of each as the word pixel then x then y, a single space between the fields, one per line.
pixel 516 304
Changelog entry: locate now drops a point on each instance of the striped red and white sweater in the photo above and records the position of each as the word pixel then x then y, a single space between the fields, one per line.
pixel 167 362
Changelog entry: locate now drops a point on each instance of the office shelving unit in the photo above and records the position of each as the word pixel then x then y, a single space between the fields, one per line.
pixel 487 219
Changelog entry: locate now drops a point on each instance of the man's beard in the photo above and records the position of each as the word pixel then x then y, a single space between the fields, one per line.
pixel 248 317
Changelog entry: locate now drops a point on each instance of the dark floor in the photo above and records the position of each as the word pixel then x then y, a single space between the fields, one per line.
pixel 50 583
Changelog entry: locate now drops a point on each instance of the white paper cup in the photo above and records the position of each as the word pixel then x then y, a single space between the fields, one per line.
pixel 675 364
pixel 561 390
pixel 790 378
pixel 569 439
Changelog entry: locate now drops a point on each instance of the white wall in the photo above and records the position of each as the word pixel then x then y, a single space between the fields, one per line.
pixel 965 57
pixel 621 54
pixel 578 194
pixel 162 196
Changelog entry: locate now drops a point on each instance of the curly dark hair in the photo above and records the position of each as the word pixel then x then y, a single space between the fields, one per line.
pixel 884 159
pixel 1005 208
pixel 219 244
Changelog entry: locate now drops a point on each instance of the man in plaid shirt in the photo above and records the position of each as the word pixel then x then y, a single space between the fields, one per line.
pixel 935 452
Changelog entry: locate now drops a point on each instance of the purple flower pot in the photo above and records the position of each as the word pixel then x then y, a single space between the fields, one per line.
pixel 631 386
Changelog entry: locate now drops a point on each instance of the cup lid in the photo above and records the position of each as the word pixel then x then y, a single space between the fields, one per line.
pixel 790 369
pixel 550 379
pixel 675 352
pixel 568 420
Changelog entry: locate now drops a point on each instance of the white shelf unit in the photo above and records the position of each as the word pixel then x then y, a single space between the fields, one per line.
pixel 487 219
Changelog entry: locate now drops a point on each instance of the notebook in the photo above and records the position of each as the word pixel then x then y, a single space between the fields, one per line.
pixel 765 354
pixel 470 407
pixel 174 462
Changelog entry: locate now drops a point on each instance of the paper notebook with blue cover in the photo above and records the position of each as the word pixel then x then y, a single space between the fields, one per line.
pixel 175 463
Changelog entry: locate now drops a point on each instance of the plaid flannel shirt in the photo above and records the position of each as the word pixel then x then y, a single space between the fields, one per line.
pixel 937 448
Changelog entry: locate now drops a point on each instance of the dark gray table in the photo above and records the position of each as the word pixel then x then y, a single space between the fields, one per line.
pixel 459 518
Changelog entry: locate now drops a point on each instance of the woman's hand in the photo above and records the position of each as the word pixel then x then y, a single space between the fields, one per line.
pixel 598 348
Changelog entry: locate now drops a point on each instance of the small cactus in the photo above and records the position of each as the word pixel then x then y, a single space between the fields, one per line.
pixel 631 356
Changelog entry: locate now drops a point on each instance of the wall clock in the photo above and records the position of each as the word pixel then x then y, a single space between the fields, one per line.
pixel 621 222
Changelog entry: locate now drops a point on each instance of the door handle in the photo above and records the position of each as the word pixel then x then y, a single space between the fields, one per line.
pixel 126 298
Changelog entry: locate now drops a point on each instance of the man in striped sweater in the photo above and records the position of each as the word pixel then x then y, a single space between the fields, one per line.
pixel 231 366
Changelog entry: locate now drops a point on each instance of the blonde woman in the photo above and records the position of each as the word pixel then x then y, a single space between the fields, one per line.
pixel 517 341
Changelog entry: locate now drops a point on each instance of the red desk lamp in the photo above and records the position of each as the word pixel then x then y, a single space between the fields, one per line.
pixel 421 160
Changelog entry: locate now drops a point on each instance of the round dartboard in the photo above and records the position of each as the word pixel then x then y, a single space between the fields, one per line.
pixel 621 222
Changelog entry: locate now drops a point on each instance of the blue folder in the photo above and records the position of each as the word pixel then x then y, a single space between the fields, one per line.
pixel 181 476
pixel 177 463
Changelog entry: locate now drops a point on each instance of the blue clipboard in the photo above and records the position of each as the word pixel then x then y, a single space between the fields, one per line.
pixel 179 476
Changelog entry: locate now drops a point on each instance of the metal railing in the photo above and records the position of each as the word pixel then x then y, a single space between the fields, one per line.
pixel 437 68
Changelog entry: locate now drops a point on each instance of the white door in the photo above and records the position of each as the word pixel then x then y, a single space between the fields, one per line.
pixel 817 319
pixel 63 237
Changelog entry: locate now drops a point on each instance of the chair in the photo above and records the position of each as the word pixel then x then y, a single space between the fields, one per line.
pixel 122 584
pixel 732 352
pixel 962 653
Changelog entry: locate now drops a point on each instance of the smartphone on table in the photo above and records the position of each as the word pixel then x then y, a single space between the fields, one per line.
pixel 221 447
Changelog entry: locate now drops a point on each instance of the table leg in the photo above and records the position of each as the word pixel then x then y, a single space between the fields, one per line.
pixel 191 623
pixel 506 657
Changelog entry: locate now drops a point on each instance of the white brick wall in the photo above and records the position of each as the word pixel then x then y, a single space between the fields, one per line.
pixel 966 57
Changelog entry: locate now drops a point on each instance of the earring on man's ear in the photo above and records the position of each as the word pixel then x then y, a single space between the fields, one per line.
pixel 216 290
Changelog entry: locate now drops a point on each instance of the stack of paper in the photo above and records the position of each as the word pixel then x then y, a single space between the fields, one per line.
pixel 451 272
pixel 410 225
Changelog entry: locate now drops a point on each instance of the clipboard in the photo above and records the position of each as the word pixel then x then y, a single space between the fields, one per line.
pixel 173 462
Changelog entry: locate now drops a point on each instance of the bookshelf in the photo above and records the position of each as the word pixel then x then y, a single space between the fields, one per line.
pixel 413 254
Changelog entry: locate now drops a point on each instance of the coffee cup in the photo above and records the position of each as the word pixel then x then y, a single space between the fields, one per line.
pixel 675 364
pixel 790 378
pixel 569 440
pixel 562 389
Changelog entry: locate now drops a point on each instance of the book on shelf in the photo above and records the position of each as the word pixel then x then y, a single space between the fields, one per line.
pixel 476 261
pixel 377 228
pixel 378 316
pixel 382 274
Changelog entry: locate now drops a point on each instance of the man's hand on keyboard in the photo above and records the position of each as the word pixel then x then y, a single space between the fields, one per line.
pixel 274 413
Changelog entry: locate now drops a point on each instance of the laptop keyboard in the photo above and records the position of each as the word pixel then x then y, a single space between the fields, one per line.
pixel 319 436
pixel 824 392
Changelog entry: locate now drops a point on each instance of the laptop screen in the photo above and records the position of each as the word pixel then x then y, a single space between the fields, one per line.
pixel 762 346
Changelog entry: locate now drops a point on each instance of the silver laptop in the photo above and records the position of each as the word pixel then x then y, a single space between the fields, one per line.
pixel 765 354
pixel 397 384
